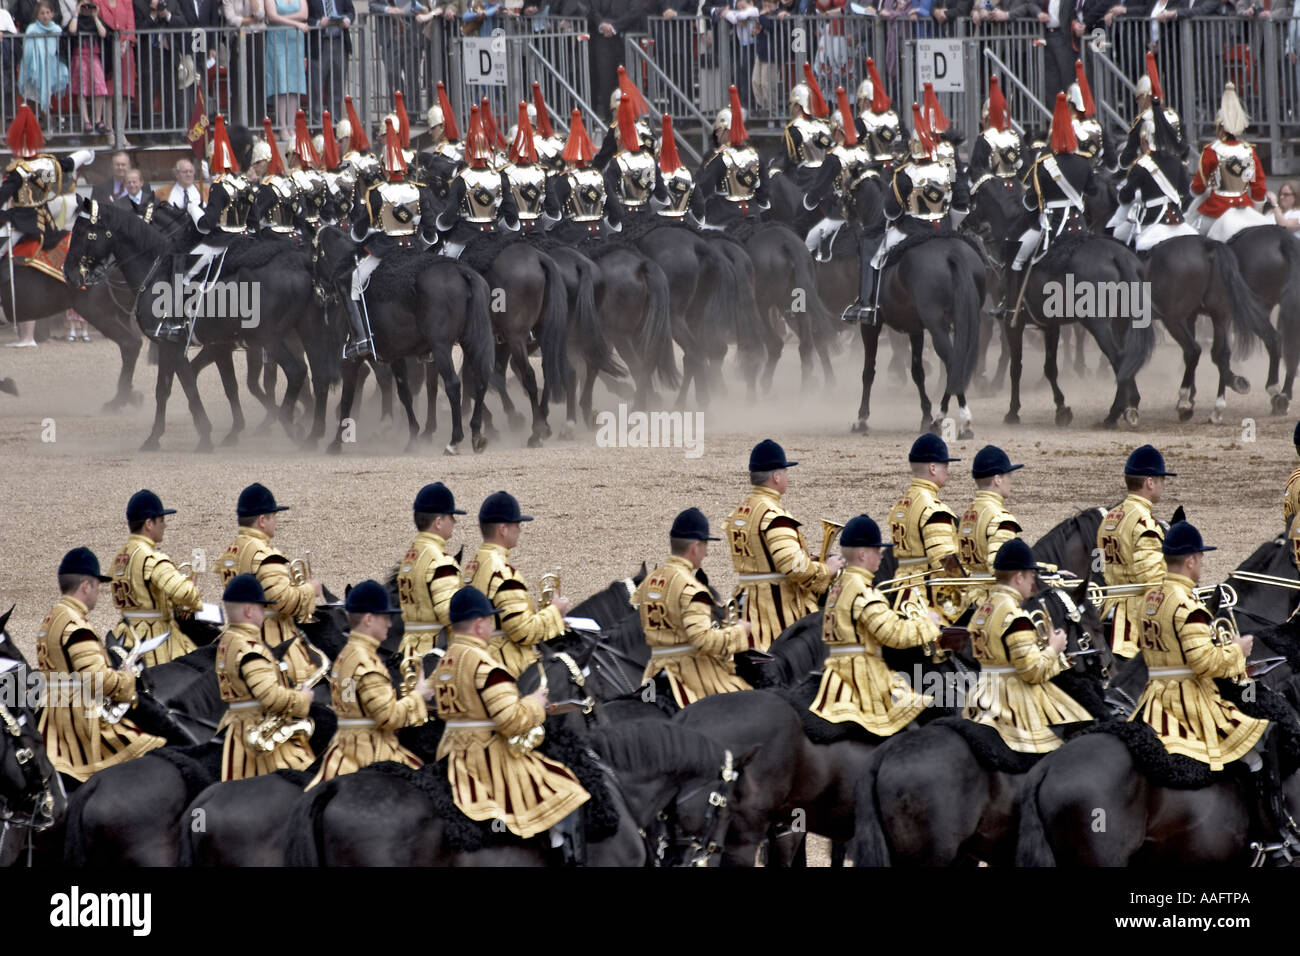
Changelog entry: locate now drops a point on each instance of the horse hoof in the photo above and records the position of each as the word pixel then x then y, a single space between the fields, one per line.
pixel 859 427
pixel 545 431
pixel 451 450
pixel 478 443
pixel 567 430
pixel 1131 417
pixel 1184 412
pixel 1216 416
pixel 534 441
pixel 934 428
pixel 1011 418
pixel 1240 385
pixel 108 408
pixel 1280 403
pixel 1064 416
pixel 230 440
pixel 151 444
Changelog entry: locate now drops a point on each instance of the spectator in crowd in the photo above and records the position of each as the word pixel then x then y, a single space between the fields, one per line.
pixel 1061 27
pixel 156 63
pixel 286 78
pixel 1283 206
pixel 88 82
pixel 42 75
pixel 119 19
pixel 114 187
pixel 184 193
pixel 831 60
pixel 24 14
pixel 991 11
pixel 610 21
pixel 1163 34
pixel 138 195
pixel 481 17
pixel 744 27
pixel 948 12
pixel 895 12
pixel 190 15
pixel 249 58
pixel 10 50
pixel 330 48
pixel 399 34
pixel 769 43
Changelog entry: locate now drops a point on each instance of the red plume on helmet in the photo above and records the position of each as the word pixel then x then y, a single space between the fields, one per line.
pixel 846 117
pixel 544 128
pixel 523 150
pixel 24 136
pixel 394 161
pixel 922 131
pixel 1063 139
pixel 628 138
pixel 403 121
pixel 489 122
pixel 449 127
pixel 223 155
pixel 669 162
pixel 478 147
pixel 739 135
pixel 276 166
pixel 1089 107
pixel 1154 75
pixel 818 101
pixel 934 115
pixel 631 91
pixel 302 144
pixel 359 141
pixel 330 146
pixel 880 101
pixel 578 149
pixel 997 105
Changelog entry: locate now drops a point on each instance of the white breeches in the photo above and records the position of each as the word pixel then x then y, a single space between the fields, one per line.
pixel 361 274
pixel 1028 243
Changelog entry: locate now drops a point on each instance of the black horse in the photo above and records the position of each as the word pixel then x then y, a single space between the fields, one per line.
pixel 1271 268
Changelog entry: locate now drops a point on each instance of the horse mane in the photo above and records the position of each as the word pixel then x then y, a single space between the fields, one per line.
pixel 658 748
pixel 1051 546
pixel 798 650
pixel 145 236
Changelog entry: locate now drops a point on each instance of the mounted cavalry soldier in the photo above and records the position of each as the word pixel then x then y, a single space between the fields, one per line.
pixel 255 688
pixel 1015 694
pixel 779 580
pixel 1148 90
pixel 308 179
pixel 230 201
pixel 289 600
pixel 855 165
pixel 808 140
pixel 370 713
pixel 733 181
pixel 946 140
pixel 1090 137
pixel 148 588
pixel 999 151
pixel 478 196
pixel 520 623
pixel 356 152
pixel 443 130
pixel 916 205
pixel 678 183
pixel 1060 180
pixel 490 738
pixel 857 685
pixel 633 173
pixel 525 178
pixel 549 146
pixel 1156 188
pixel 428 576
pixel 387 215
pixel 690 656
pixel 32 179
pixel 585 204
pixel 987 524
pixel 1129 539
pixel 1229 179
pixel 1183 705
pixel 878 126
pixel 924 531
pixel 626 92
pixel 275 213
pixel 80 680
pixel 340 181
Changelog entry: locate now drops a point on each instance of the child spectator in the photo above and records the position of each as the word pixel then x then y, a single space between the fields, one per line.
pixel 88 72
pixel 42 75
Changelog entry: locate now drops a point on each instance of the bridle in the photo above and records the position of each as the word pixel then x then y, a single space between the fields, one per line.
pixel 42 786
pixel 92 274
pixel 579 681
pixel 699 849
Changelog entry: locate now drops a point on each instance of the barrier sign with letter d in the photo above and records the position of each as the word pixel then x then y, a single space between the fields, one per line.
pixel 939 62
pixel 485 61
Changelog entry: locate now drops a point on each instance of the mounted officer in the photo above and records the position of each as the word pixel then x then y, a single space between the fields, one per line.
pixel 1092 141
pixel 32 179
pixel 275 213
pixel 946 140
pixel 308 179
pixel 443 130
pixel 808 141
pixel 80 680
pixel 626 92
pixel 690 656
pixel 388 215
pixel 999 151
pixel 1156 189
pixel 525 178
pixel 632 173
pixel 679 185
pixel 855 165
pixel 1230 179
pixel 878 126
pixel 1146 92
pixel 549 146
pixel 733 181
pixel 148 588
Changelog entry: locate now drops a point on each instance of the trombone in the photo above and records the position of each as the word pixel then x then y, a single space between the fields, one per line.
pixel 905 581
pixel 1272 580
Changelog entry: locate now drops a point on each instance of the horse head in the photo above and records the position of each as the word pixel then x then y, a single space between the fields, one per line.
pixel 565 673
pixel 1085 643
pixel 90 247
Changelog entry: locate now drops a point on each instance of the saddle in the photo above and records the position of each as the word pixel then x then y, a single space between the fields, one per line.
pixel 29 253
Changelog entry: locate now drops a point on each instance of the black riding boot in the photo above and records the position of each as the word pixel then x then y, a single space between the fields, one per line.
pixel 1280 842
pixel 175 327
pixel 864 309
pixel 360 345
pixel 572 831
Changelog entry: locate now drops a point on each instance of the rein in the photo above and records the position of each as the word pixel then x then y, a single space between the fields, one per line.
pixel 700 848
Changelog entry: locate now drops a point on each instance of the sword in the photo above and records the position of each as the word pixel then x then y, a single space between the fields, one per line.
pixel 143 647
pixel 1024 283
pixel 1262 666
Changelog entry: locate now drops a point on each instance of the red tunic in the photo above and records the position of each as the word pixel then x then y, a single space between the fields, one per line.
pixel 1216 204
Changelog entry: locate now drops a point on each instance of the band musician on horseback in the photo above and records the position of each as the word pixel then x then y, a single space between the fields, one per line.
pixel 428 576
pixel 924 531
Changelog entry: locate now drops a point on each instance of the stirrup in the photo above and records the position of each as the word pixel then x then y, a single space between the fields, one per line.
pixel 173 330
pixel 362 348
pixel 856 312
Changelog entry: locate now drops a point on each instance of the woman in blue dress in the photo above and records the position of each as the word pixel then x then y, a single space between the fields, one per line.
pixel 286 76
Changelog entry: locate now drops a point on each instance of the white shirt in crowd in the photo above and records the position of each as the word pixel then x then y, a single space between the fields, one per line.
pixel 190 199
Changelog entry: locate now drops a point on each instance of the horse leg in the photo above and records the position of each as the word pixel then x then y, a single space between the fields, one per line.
pixel 295 375
pixel 225 362
pixel 524 369
pixel 585 403
pixel 430 401
pixel 454 389
pixel 1051 344
pixel 351 375
pixel 1101 331
pixel 807 343
pixel 1221 355
pixel 190 385
pixel 167 356
pixel 1184 334
pixel 513 418
pixel 257 380
pixel 775 346
pixel 870 346
pixel 403 384
pixel 917 342
pixel 1080 363
pixel 128 347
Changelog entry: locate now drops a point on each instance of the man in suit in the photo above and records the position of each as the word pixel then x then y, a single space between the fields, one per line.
pixel 329 48
pixel 115 186
pixel 184 193
pixel 138 196
pixel 610 21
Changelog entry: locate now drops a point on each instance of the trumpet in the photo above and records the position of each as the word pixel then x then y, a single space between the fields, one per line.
pixel 550 586
pixel 732 615
pixel 186 570
pixel 830 531
pixel 905 581
pixel 914 610
pixel 300 569
pixel 1098 593
pixel 274 729
pixel 410 669
pixel 1043 630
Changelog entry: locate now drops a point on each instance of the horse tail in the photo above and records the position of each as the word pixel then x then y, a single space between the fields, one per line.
pixel 1290 299
pixel 869 846
pixel 1248 319
pixel 656 344
pixel 1032 848
pixel 303 831
pixel 596 350
pixel 555 328
pixel 746 309
pixel 719 313
pixel 476 341
pixel 74 839
pixel 966 301
pixel 1140 340
pixel 820 318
